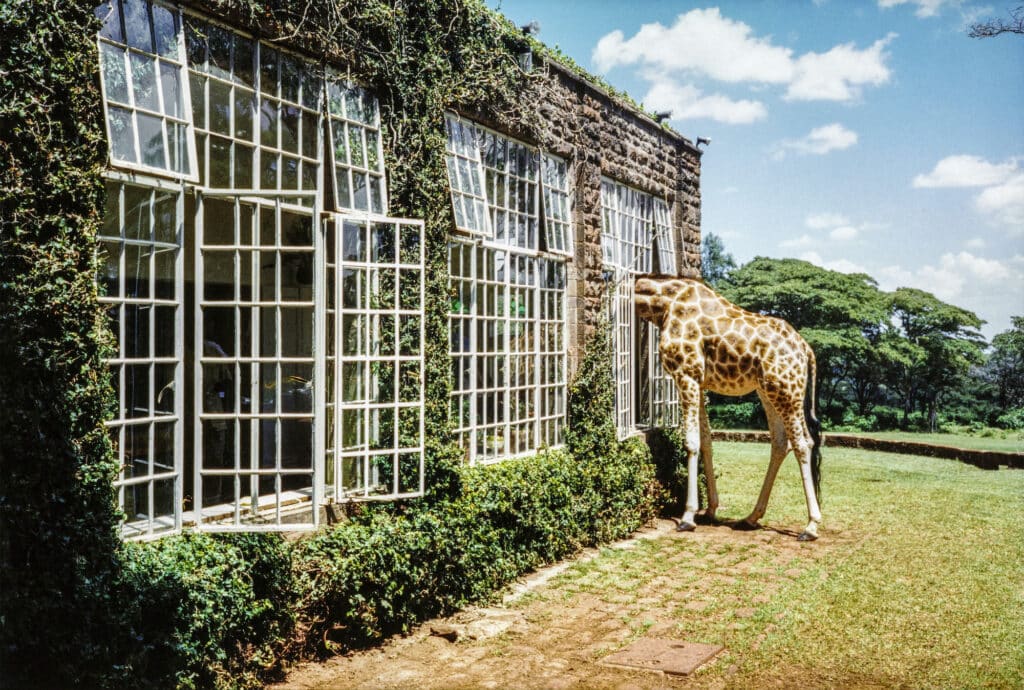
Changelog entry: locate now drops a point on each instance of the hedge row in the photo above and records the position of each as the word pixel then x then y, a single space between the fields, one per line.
pixel 205 611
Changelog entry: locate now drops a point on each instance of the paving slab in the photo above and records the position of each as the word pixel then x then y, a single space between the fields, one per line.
pixel 672 657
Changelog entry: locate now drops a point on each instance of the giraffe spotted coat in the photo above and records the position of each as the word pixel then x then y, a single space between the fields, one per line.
pixel 709 344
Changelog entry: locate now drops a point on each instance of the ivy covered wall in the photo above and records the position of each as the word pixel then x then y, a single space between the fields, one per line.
pixel 57 515
pixel 77 607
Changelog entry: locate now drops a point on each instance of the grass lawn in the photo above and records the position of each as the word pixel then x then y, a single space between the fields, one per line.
pixel 1013 442
pixel 917 580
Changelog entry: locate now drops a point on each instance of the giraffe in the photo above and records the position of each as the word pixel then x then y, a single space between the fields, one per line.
pixel 708 343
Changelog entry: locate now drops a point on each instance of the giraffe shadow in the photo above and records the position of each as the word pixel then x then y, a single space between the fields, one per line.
pixel 743 526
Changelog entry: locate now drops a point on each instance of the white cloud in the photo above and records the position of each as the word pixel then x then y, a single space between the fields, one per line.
pixel 687 102
pixel 1002 198
pixel 976 243
pixel 839 265
pixel 839 74
pixel 965 171
pixel 797 242
pixel 925 8
pixel 844 233
pixel 989 287
pixel 820 140
pixel 823 221
pixel 704 44
pixel 1005 203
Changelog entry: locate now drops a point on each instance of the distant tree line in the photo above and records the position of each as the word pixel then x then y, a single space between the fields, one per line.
pixel 886 360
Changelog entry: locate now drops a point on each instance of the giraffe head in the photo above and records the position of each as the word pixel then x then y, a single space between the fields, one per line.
pixel 653 296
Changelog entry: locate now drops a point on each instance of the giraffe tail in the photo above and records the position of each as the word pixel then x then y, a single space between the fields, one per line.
pixel 813 423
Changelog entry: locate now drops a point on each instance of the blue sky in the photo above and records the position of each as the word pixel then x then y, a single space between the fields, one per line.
pixel 862 136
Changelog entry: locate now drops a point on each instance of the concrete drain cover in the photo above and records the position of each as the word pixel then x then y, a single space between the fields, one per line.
pixel 673 657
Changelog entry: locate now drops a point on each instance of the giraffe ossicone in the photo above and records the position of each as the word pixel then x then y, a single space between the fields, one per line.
pixel 709 344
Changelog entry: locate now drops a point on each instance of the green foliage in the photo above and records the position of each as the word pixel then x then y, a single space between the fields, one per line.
pixel 58 570
pixel 1005 366
pixel 806 295
pixel 735 415
pixel 590 410
pixel 384 571
pixel 668 450
pixel 716 264
pixel 1011 419
pixel 205 611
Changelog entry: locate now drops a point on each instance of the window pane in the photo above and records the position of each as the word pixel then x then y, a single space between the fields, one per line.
pixel 165 30
pixel 114 79
pixel 144 81
pixel 122 135
pixel 137 25
pixel 110 13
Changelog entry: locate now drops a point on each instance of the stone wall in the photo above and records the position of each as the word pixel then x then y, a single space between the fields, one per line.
pixel 602 136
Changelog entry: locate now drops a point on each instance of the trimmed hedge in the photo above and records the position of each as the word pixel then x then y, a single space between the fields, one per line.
pixel 205 611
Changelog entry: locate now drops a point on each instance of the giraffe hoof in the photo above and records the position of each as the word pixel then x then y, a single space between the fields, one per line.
pixel 807 536
pixel 686 527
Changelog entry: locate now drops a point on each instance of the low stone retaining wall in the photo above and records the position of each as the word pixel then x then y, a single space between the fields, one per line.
pixel 985 459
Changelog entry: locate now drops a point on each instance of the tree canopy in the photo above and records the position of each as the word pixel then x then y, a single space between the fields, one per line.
pixel 902 358
pixel 715 262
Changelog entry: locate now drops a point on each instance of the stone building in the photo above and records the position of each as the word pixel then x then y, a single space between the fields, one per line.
pixel 269 309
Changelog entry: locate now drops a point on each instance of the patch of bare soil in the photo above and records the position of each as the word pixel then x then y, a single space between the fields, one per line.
pixel 553 629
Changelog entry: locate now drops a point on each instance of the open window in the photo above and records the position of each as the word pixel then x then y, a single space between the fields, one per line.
pixel 374 358
pixel 636 237
pixel 253 353
pixel 466 177
pixel 140 248
pixel 265 363
pixel 145 95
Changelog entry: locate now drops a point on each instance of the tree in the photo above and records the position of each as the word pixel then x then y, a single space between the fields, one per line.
pixel 995 27
pixel 942 345
pixel 842 316
pixel 715 262
pixel 1005 365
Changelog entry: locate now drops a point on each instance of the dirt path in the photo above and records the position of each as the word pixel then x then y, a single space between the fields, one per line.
pixel 716 585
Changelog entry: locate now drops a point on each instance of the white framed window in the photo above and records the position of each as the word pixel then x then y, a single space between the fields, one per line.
pixel 229 300
pixel 510 187
pixel 375 331
pixel 636 237
pixel 508 351
pixel 146 102
pixel 524 201
pixel 466 176
pixel 508 294
pixel 257 113
pixel 662 400
pixel 140 281
pixel 357 154
pixel 624 323
pixel 664 243
pixel 557 204
pixel 255 336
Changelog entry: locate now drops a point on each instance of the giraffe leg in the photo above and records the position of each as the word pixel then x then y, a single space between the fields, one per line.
pixel 780 446
pixel 800 439
pixel 689 399
pixel 706 456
